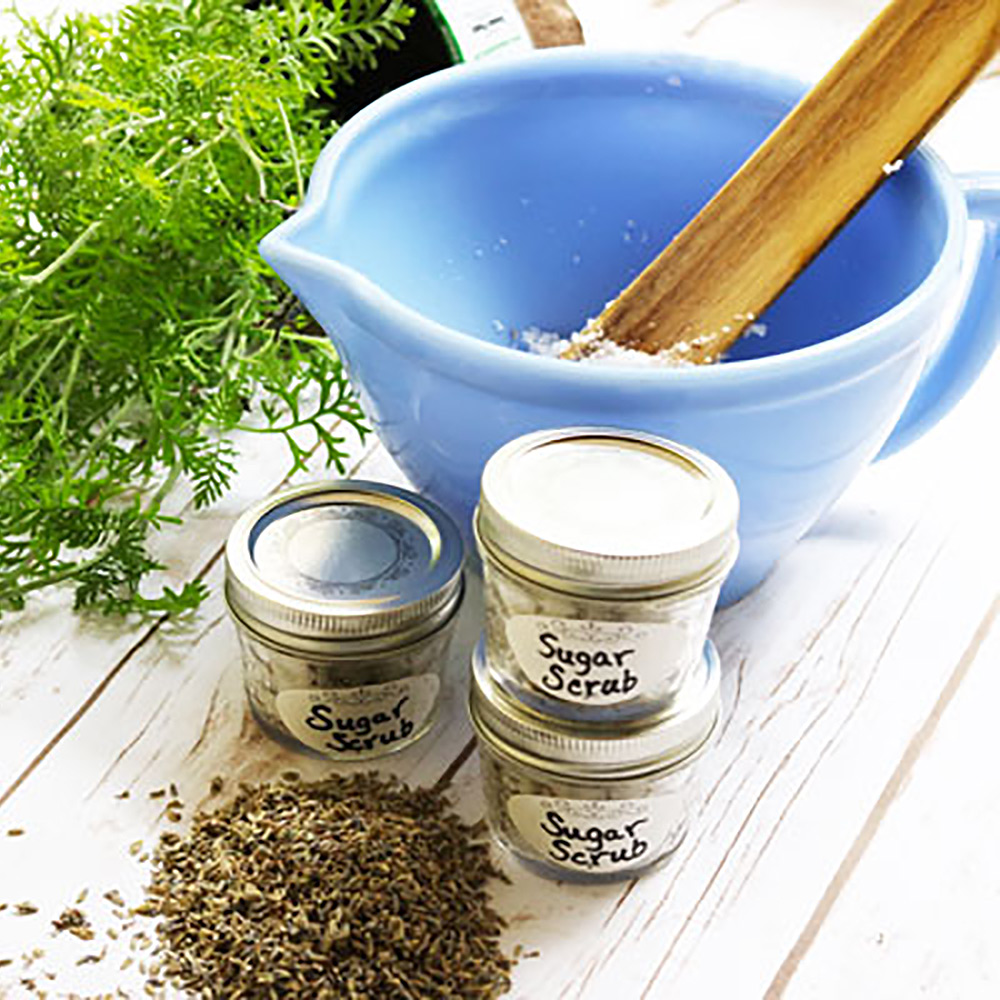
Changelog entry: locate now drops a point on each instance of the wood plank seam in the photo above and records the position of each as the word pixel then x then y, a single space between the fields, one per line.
pixel 723 861
pixel 206 725
pixel 890 792
pixel 860 615
pixel 858 700
pixel 740 671
pixel 124 752
pixel 206 628
pixel 81 710
pixel 598 964
pixel 621 899
pixel 799 660
pixel 820 629
pixel 780 706
pixel 455 766
pixel 717 784
pixel 710 16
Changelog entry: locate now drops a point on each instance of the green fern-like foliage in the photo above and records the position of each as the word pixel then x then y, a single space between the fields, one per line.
pixel 143 157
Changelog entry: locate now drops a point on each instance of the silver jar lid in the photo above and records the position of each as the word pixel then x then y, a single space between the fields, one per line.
pixel 343 559
pixel 599 750
pixel 608 508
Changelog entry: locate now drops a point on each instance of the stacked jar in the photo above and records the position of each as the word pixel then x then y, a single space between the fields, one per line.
pixel 595 687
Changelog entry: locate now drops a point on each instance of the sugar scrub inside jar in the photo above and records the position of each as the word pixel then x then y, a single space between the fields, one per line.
pixel 604 551
pixel 344 595
pixel 588 802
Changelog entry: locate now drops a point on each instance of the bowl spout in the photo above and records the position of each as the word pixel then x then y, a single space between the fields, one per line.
pixel 320 283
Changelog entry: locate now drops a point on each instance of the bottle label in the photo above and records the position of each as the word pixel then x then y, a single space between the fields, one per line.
pixel 480 28
pixel 598 836
pixel 595 662
pixel 352 723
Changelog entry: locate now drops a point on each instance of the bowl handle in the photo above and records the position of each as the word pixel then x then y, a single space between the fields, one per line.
pixel 959 360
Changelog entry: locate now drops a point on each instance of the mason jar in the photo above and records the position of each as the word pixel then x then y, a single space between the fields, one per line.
pixel 604 552
pixel 587 802
pixel 344 595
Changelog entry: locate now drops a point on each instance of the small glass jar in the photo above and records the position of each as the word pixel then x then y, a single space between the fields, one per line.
pixel 591 803
pixel 344 595
pixel 603 551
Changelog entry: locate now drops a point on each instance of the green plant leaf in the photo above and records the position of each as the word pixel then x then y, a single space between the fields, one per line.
pixel 144 155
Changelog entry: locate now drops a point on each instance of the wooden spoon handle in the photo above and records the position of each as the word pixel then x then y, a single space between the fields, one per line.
pixel 807 179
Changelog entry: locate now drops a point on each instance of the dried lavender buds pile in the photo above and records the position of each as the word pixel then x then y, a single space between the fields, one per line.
pixel 353 888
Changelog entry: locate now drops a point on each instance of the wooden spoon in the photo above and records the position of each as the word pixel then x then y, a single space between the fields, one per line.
pixel 806 180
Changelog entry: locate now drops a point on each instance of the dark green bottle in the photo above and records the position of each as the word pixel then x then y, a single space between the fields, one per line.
pixel 445 32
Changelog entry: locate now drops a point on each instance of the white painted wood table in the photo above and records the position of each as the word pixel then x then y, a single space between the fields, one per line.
pixel 846 846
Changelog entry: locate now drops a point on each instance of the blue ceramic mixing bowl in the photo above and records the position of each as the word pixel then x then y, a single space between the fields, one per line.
pixel 500 197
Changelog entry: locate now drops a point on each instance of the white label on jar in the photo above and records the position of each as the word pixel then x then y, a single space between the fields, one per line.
pixel 485 27
pixel 597 663
pixel 600 835
pixel 359 722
